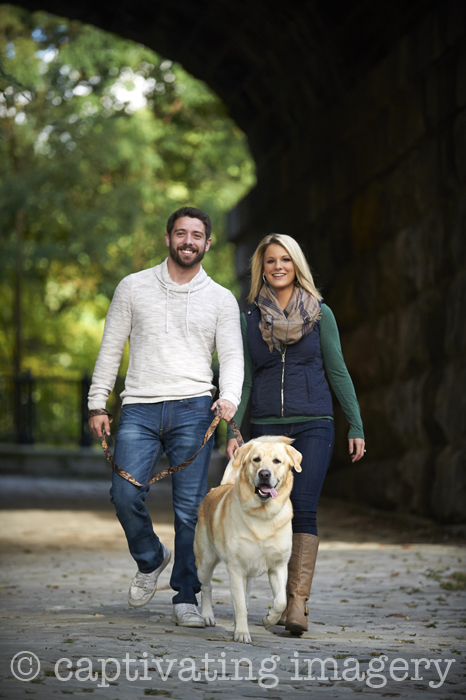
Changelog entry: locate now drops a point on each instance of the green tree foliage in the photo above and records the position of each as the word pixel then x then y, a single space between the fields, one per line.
pixel 102 140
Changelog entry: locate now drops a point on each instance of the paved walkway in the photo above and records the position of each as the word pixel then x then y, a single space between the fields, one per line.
pixel 385 589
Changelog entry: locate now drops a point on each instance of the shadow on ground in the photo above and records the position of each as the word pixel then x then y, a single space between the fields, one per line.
pixel 48 512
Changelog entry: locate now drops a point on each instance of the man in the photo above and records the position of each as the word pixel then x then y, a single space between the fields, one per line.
pixel 175 316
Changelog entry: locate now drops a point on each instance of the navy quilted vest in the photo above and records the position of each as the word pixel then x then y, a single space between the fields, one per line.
pixel 286 384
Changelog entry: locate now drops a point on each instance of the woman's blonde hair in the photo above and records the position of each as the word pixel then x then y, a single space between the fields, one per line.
pixel 303 274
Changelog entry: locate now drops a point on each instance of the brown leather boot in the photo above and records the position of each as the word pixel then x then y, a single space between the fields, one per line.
pixel 282 620
pixel 300 573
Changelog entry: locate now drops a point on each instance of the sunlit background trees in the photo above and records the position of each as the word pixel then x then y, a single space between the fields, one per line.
pixel 102 140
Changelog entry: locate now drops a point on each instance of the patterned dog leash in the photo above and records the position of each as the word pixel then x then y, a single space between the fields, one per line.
pixel 210 431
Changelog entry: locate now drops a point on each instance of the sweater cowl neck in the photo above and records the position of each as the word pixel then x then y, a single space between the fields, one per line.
pixel 163 276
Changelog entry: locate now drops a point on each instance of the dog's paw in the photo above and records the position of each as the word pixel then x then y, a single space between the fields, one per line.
pixel 243 637
pixel 270 620
pixel 267 622
pixel 209 620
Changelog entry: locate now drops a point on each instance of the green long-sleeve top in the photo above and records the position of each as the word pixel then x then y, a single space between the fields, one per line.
pixel 337 374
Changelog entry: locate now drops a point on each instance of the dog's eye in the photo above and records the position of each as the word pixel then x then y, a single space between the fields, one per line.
pixel 276 461
pixel 256 459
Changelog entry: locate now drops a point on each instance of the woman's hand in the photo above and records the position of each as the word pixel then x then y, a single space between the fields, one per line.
pixel 356 448
pixel 232 446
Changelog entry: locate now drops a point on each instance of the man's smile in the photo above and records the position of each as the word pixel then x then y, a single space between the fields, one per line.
pixel 187 251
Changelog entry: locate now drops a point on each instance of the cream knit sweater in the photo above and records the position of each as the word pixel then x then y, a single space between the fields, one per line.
pixel 173 331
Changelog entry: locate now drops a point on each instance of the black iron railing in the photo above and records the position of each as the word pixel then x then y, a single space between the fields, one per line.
pixel 49 410
pixel 53 410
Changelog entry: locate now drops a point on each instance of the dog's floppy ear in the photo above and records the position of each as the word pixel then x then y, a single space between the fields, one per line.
pixel 241 454
pixel 295 457
pixel 232 470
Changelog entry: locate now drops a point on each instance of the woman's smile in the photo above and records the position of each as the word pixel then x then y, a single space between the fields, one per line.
pixel 279 269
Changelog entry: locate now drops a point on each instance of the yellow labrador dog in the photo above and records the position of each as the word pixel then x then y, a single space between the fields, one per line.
pixel 246 522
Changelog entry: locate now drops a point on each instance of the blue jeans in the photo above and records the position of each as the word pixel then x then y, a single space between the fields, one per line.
pixel 314 439
pixel 145 432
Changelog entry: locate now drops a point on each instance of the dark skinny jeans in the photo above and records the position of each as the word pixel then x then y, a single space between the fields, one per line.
pixel 314 439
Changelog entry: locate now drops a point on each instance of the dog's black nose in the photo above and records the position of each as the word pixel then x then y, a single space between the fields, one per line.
pixel 264 474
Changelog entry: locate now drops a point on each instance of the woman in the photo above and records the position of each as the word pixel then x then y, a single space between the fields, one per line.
pixel 289 335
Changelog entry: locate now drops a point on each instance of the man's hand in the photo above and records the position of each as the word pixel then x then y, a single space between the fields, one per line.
pixel 232 446
pixel 100 425
pixel 356 448
pixel 228 409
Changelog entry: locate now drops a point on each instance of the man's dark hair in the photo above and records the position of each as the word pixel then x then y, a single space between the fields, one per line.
pixel 194 214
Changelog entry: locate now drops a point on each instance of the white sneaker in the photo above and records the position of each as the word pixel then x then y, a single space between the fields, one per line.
pixel 187 615
pixel 143 586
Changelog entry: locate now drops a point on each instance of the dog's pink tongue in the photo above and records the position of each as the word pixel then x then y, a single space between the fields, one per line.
pixel 270 490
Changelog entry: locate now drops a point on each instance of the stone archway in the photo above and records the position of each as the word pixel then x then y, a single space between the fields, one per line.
pixel 356 116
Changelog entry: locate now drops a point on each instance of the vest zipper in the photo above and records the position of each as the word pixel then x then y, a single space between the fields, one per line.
pixel 283 377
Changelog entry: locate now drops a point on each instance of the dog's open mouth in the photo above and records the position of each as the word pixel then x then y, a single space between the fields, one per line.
pixel 264 491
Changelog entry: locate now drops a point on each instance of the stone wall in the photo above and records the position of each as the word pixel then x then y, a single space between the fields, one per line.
pixel 356 116
pixel 374 187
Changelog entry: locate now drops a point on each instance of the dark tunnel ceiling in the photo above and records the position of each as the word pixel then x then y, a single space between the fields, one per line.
pixel 262 55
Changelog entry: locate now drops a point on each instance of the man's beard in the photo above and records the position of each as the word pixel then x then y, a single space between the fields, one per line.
pixel 176 256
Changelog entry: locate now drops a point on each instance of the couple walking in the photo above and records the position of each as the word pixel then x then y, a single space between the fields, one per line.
pixel 175 316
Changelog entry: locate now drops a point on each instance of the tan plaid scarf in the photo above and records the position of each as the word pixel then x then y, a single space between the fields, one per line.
pixel 285 327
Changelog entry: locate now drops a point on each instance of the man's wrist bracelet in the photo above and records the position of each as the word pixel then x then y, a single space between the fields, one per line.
pixel 100 412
